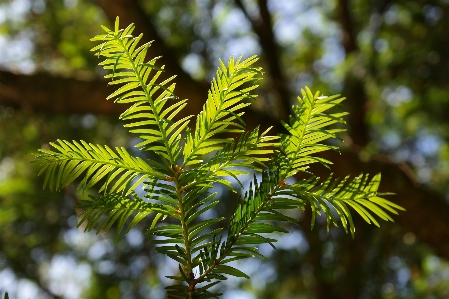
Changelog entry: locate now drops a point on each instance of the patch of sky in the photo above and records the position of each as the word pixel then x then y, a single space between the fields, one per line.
pixel 138 265
pixel 286 32
pixel 19 287
pixel 334 52
pixel 17 9
pixel 236 37
pixel 292 17
pixel 235 24
pixel 99 249
pixel 287 7
pixel 428 144
pixel 170 268
pixel 219 11
pixel 293 240
pixel 135 237
pixel 28 289
pixel 391 15
pixel 403 276
pixel 300 80
pixel 155 292
pixel 105 267
pixel 259 270
pixel 432 14
pixel 390 140
pixel 256 269
pixel 396 96
pixel 8 282
pixel 193 65
pixel 381 45
pixel 246 46
pixel 72 221
pixel 79 240
pixel 88 121
pixel 238 294
pixel 67 277
pixel 15 53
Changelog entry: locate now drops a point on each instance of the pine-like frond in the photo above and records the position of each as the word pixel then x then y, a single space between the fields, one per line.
pixel 221 113
pixel 119 171
pixel 336 198
pixel 259 204
pixel 120 209
pixel 186 243
pixel 192 207
pixel 307 131
pixel 251 151
pixel 202 234
pixel 182 192
pixel 247 228
pixel 151 119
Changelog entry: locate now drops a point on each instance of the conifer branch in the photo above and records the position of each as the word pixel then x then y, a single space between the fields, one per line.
pixel 178 186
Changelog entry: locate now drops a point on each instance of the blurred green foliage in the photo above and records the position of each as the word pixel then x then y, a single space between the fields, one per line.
pixel 402 60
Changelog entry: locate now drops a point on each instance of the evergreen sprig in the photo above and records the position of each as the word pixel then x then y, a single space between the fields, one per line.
pixel 178 183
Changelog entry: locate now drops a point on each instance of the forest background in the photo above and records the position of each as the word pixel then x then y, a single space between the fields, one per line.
pixel 389 58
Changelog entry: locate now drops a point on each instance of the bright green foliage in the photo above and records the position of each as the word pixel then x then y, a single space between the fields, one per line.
pixel 177 182
pixel 358 194
pixel 219 114
pixel 98 161
pixel 307 129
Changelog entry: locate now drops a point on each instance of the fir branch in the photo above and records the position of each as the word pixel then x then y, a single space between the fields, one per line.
pixel 360 194
pixel 97 162
pixel 156 126
pixel 306 130
pixel 120 210
pixel 220 113
pixel 182 192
